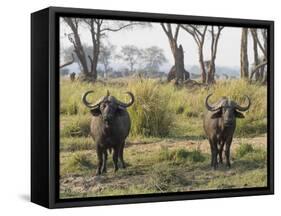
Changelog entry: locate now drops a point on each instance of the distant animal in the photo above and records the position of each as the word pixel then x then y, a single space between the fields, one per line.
pixel 219 123
pixel 72 76
pixel 110 126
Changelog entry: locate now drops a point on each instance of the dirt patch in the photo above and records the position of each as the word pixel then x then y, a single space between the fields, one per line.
pixel 140 175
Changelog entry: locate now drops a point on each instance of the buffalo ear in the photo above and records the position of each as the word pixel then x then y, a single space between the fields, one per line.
pixel 217 114
pixel 95 112
pixel 238 114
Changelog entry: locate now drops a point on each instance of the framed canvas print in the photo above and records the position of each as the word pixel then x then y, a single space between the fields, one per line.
pixel 138 107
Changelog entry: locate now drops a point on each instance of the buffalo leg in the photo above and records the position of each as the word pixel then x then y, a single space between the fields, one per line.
pixel 220 151
pixel 103 169
pixel 212 153
pixel 121 150
pixel 215 154
pixel 100 159
pixel 227 152
pixel 115 158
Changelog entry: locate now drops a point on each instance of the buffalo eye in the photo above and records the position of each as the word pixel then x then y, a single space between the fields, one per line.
pixel 217 114
pixel 95 112
pixel 238 114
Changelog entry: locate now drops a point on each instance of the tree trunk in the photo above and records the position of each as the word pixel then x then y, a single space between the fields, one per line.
pixel 211 72
pixel 256 55
pixel 95 65
pixel 214 48
pixel 76 41
pixel 263 75
pixel 179 63
pixel 79 51
pixel 244 63
pixel 177 52
pixel 199 38
pixel 95 29
pixel 202 65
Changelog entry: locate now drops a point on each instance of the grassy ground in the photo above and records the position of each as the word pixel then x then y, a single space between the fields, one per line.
pixel 166 150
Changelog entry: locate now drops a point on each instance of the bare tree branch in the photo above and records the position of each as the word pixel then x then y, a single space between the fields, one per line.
pixel 257 68
pixel 177 32
pixel 164 28
pixel 254 33
pixel 69 62
pixel 119 28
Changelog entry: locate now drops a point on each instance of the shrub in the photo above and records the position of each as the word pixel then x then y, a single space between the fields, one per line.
pixel 192 114
pixel 258 156
pixel 77 126
pixel 247 152
pixel 76 143
pixel 163 178
pixel 150 114
pixel 180 155
pixel 196 156
pixel 78 162
pixel 180 109
pixel 154 111
pixel 244 149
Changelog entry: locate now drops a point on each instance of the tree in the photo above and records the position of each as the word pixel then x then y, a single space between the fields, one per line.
pixel 259 69
pixel 215 35
pixel 106 55
pixel 256 54
pixel 98 29
pixel 74 38
pixel 176 49
pixel 131 55
pixel 244 62
pixel 198 33
pixel 153 57
pixel 68 51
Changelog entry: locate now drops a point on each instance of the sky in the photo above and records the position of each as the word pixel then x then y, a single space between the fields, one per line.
pixel 228 53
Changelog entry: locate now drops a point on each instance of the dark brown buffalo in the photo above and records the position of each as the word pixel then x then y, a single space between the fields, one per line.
pixel 72 76
pixel 219 125
pixel 110 127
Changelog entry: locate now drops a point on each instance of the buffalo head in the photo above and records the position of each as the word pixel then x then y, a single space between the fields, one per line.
pixel 106 106
pixel 227 109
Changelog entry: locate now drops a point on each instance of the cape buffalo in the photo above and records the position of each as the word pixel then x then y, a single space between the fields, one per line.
pixel 110 127
pixel 219 124
pixel 72 76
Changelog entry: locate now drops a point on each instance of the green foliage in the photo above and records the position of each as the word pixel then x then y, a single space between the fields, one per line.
pixel 180 109
pixel 258 155
pixel 248 152
pixel 244 149
pixel 77 162
pixel 160 110
pixel 163 110
pixel 180 155
pixel 163 177
pixel 75 126
pixel 76 144
pixel 150 114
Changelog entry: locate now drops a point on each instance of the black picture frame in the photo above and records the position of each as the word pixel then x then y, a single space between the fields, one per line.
pixel 45 107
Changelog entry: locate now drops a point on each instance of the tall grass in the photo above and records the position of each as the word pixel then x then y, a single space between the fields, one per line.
pixel 77 163
pixel 180 155
pixel 248 152
pixel 161 109
pixel 150 114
